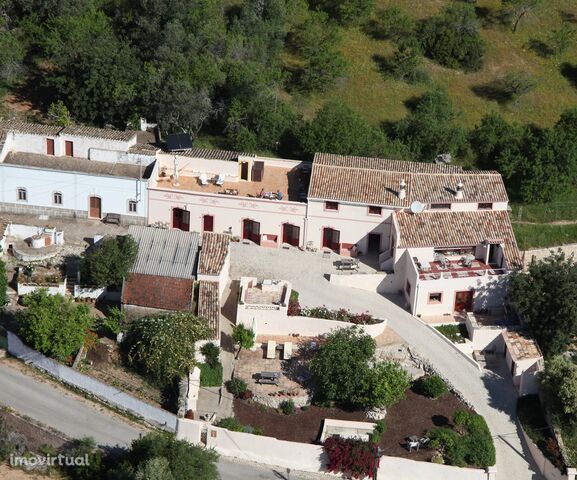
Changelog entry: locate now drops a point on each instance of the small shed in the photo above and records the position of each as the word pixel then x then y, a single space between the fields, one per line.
pixel 524 360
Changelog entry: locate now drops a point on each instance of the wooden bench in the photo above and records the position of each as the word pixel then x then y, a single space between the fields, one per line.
pixel 112 218
pixel 268 378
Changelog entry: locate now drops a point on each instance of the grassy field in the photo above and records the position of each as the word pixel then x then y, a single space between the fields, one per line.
pixel 542 235
pixel 380 99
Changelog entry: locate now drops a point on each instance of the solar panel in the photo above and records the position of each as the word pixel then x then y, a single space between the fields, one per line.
pixel 178 141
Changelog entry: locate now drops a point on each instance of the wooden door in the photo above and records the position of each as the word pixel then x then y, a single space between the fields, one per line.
pixel 69 148
pixel 464 301
pixel 95 207
pixel 374 242
pixel 181 219
pixel 251 231
pixel 244 171
pixel 331 239
pixel 49 146
pixel 291 234
pixel 208 223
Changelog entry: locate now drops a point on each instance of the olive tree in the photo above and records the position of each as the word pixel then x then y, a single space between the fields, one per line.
pixel 163 346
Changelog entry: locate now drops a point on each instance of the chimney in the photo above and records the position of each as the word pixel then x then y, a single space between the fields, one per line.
pixel 402 190
pixel 459 191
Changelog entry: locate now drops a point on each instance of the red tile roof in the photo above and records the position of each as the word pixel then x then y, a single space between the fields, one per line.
pixel 213 253
pixel 209 305
pixel 458 229
pixel 375 181
pixel 165 293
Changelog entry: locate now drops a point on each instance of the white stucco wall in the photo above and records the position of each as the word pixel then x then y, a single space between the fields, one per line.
pixel 228 211
pixel 304 326
pixel 83 145
pixel 76 188
pixel 353 221
pixel 489 293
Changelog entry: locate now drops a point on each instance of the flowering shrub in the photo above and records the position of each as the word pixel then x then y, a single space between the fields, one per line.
pixel 353 458
pixel 294 308
pixel 342 314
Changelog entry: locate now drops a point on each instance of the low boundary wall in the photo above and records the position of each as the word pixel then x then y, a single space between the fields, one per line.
pixel 311 458
pixel 309 327
pixel 547 469
pixel 106 393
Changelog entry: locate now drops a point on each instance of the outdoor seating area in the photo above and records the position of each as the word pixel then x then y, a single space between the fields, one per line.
pixel 265 370
pixel 462 268
pixel 348 263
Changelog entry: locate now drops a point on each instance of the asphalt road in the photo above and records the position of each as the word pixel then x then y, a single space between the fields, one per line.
pixel 71 415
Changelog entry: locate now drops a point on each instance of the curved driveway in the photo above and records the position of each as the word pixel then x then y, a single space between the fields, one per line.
pixel 491 393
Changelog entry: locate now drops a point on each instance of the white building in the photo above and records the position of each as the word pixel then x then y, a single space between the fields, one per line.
pixel 74 172
pixel 220 191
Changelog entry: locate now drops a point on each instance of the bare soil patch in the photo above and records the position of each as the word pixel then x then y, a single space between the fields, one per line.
pixel 35 435
pixel 412 416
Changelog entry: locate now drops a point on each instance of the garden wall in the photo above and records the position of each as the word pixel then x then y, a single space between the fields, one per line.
pixel 547 469
pixel 51 289
pixel 308 327
pixel 87 384
pixel 373 282
pixel 311 458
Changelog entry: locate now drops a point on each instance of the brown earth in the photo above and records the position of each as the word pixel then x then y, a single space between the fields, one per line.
pixel 412 416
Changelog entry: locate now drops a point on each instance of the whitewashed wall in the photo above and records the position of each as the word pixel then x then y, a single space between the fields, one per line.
pixel 306 326
pixel 228 211
pixel 353 221
pixel 76 188
pixel 311 458
pixel 83 145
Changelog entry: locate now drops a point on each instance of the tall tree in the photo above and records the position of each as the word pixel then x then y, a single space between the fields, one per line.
pixel 430 129
pixel 243 337
pixel 109 262
pixel 53 325
pixel 317 41
pixel 452 38
pixel 163 347
pixel 546 299
pixel 516 10
pixel 346 12
pixel 338 129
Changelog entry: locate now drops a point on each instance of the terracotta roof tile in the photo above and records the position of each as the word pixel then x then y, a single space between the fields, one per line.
pixel 80 165
pixel 105 133
pixel 376 181
pixel 521 345
pixel 209 305
pixel 152 291
pixel 215 247
pixel 143 149
pixel 210 154
pixel 456 229
pixel 30 128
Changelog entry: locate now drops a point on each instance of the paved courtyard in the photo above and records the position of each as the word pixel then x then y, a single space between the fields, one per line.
pixel 491 393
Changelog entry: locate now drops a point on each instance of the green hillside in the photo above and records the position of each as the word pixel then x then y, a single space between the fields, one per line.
pixel 379 99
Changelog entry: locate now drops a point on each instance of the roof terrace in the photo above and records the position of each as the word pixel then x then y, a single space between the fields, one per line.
pixel 291 181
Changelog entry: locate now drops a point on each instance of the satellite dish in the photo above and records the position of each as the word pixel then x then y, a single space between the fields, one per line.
pixel 417 207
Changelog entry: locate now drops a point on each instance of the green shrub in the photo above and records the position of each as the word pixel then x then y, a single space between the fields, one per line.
pixel 287 407
pixel 294 295
pixel 210 376
pixel 230 423
pixel 377 433
pixel 211 353
pixel 237 387
pixel 433 386
pixel 455 333
pixel 114 321
pixel 450 444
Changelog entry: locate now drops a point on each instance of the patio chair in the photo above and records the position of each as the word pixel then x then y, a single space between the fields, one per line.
pixel 413 443
pixel 271 349
pixel 202 178
pixel 219 180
